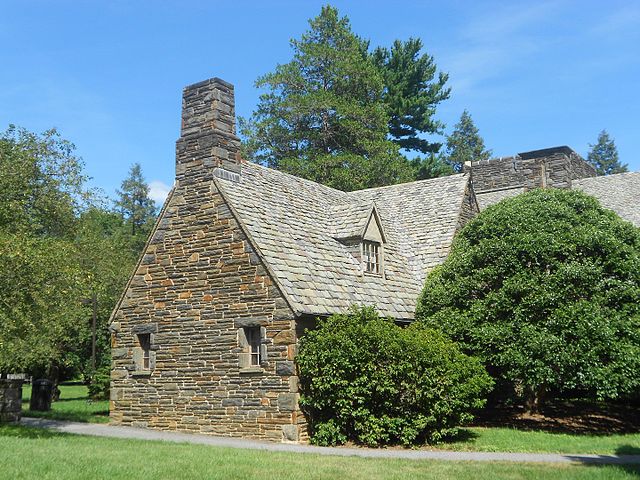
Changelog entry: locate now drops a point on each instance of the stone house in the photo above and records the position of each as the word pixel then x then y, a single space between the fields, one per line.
pixel 243 258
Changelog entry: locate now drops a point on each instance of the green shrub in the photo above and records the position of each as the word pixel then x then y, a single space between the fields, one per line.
pixel 545 289
pixel 365 379
pixel 99 384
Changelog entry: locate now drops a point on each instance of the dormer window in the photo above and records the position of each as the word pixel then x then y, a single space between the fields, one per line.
pixel 371 257
pixel 359 228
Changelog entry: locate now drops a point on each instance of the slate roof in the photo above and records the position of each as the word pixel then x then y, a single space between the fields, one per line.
pixel 619 192
pixel 486 199
pixel 349 220
pixel 295 225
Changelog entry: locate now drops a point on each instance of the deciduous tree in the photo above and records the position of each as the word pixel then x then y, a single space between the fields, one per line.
pixel 42 185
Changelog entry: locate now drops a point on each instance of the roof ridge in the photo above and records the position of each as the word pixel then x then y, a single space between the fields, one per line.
pixel 404 184
pixel 299 179
pixel 352 193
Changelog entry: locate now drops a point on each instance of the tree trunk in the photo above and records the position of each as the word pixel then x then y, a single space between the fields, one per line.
pixel 54 374
pixel 535 397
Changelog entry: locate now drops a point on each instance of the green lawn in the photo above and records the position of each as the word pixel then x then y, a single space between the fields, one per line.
pixel 511 440
pixel 73 405
pixel 27 453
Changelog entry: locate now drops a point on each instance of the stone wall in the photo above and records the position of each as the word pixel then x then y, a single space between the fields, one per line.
pixel 199 284
pixel 469 208
pixel 10 400
pixel 580 168
pixel 552 167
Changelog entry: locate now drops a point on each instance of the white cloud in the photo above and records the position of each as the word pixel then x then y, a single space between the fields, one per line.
pixel 158 191
pixel 490 43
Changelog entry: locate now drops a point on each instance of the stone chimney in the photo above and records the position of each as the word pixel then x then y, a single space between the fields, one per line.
pixel 208 144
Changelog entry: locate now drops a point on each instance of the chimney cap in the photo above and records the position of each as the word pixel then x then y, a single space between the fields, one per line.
pixel 545 152
pixel 209 81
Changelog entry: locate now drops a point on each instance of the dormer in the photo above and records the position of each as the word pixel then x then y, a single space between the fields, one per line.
pixel 359 228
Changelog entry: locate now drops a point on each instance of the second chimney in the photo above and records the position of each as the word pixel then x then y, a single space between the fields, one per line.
pixel 208 144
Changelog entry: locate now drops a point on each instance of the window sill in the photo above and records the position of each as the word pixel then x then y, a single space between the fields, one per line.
pixel 141 373
pixel 251 370
pixel 373 274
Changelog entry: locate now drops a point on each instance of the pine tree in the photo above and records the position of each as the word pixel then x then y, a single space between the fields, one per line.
pixel 604 156
pixel 411 94
pixel 465 144
pixel 323 116
pixel 134 203
pixel 432 166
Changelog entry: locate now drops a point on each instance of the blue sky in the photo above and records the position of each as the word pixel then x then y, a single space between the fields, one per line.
pixel 109 74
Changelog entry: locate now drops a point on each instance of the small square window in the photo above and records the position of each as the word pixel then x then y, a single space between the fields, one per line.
pixel 144 339
pixel 371 257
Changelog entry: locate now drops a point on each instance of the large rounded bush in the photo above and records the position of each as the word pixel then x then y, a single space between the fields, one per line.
pixel 365 379
pixel 545 289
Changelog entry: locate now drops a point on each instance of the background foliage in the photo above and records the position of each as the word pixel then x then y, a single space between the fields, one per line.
pixel 60 243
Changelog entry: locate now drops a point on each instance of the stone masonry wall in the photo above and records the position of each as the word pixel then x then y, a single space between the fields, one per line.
pixel 580 168
pixel 469 208
pixel 200 282
pixel 553 167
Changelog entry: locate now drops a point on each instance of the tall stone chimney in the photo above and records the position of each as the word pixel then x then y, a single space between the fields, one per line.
pixel 208 144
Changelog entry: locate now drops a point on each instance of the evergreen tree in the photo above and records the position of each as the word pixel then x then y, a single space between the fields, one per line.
pixel 431 166
pixel 134 203
pixel 604 156
pixel 411 94
pixel 323 116
pixel 465 144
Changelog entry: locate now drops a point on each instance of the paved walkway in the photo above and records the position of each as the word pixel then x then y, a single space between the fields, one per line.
pixel 101 430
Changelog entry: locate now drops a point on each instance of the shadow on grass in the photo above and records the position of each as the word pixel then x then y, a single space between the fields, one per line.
pixel 20 431
pixel 463 436
pixel 101 416
pixel 628 450
pixel 626 459
pixel 72 399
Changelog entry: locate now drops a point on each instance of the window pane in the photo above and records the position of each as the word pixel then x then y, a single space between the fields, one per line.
pixel 253 339
pixel 371 257
pixel 144 340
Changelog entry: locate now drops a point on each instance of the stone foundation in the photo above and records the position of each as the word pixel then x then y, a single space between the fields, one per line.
pixel 10 400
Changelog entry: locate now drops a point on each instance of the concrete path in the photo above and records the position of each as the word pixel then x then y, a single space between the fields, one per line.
pixel 101 430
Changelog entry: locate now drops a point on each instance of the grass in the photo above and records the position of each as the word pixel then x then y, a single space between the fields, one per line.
pixel 27 453
pixel 74 405
pixel 53 455
pixel 493 439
